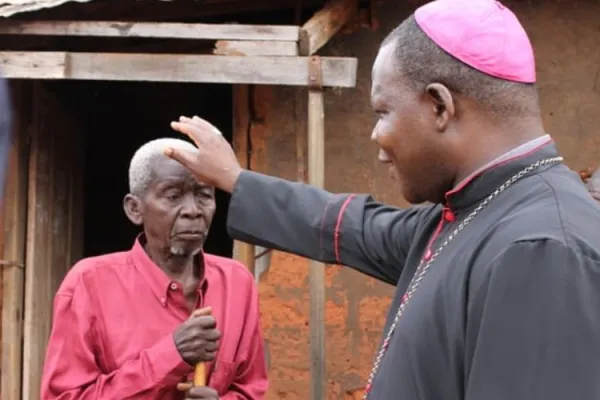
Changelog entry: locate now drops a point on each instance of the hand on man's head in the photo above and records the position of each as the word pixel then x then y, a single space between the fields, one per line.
pixel 214 162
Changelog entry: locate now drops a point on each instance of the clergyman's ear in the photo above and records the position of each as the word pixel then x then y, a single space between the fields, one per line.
pixel 133 209
pixel 443 104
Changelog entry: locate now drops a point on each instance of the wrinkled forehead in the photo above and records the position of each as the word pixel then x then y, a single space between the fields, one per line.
pixel 165 170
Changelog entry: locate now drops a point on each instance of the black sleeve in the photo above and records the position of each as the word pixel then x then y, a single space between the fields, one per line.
pixel 347 229
pixel 533 329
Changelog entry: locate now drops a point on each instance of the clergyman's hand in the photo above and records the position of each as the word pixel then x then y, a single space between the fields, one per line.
pixel 203 392
pixel 214 162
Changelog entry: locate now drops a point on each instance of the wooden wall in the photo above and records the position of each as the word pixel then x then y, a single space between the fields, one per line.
pixel 43 216
pixel 12 242
pixel 54 223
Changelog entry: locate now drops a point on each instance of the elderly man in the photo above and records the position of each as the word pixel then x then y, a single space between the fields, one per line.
pixel 122 327
pixel 497 283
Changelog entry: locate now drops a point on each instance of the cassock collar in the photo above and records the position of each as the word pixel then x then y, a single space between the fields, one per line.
pixel 484 181
pixel 157 279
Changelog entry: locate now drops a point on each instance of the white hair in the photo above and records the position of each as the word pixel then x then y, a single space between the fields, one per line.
pixel 140 167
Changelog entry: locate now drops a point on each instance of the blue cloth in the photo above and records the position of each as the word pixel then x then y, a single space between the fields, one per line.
pixel 5 127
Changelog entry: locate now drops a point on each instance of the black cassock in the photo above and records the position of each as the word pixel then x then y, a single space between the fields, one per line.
pixel 509 310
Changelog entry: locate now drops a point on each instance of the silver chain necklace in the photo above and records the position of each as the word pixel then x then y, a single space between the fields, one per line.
pixel 424 267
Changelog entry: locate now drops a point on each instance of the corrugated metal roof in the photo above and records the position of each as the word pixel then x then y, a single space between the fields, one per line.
pixel 11 7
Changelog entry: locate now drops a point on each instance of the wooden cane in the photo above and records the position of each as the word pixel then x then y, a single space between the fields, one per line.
pixel 200 374
pixel 200 371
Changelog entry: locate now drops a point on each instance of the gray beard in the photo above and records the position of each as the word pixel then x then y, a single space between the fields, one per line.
pixel 179 252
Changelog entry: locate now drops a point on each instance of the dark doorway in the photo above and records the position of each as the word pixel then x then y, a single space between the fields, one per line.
pixel 117 118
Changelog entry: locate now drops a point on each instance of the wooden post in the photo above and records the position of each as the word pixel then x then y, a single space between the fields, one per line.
pixel 53 242
pixel 243 252
pixel 316 177
pixel 315 33
pixel 14 226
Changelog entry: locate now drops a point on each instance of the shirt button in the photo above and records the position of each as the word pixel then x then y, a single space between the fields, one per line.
pixel 173 286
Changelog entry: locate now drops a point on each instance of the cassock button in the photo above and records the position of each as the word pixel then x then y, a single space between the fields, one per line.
pixel 427 255
pixel 449 216
pixel 173 286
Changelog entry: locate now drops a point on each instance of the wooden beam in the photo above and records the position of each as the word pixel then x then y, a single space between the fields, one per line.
pixel 337 71
pixel 151 30
pixel 316 177
pixel 39 220
pixel 243 252
pixel 255 48
pixel 325 23
pixel 32 65
pixel 14 225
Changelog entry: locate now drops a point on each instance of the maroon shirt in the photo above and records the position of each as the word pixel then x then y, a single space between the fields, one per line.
pixel 113 324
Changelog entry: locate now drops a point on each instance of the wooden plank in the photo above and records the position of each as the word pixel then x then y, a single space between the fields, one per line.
pixel 243 252
pixel 255 48
pixel 37 273
pixel 326 22
pixel 151 30
pixel 14 227
pixel 50 242
pixel 337 71
pixel 50 65
pixel 316 177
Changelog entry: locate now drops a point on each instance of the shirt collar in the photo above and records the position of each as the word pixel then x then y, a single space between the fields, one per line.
pixel 488 178
pixel 156 278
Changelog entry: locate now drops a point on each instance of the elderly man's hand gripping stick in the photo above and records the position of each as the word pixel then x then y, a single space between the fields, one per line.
pixel 198 389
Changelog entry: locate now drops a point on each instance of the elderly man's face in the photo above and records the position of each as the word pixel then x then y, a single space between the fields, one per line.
pixel 408 133
pixel 176 210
